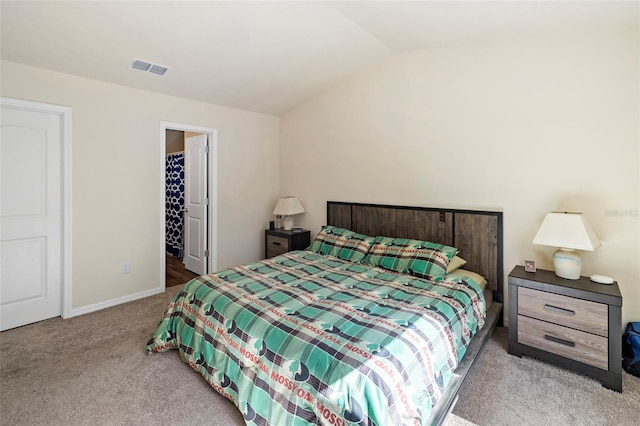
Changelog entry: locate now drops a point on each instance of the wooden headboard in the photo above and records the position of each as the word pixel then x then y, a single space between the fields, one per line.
pixel 477 234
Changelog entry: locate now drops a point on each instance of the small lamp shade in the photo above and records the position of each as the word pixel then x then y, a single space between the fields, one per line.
pixel 569 232
pixel 288 206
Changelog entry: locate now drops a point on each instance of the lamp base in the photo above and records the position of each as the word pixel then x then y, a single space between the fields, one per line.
pixel 288 223
pixel 567 264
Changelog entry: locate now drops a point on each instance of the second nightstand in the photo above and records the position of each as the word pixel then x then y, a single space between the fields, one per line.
pixel 572 323
pixel 279 241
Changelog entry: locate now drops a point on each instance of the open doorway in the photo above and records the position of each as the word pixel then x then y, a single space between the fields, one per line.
pixel 176 272
pixel 189 202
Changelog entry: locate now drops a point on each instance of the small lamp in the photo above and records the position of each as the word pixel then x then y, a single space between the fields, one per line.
pixel 288 206
pixel 569 232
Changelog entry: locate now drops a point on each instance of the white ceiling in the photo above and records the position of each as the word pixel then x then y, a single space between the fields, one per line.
pixel 268 56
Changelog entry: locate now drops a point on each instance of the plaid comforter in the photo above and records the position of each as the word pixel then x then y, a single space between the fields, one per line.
pixel 308 339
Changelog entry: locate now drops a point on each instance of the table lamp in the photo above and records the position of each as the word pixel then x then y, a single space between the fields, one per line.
pixel 569 232
pixel 288 206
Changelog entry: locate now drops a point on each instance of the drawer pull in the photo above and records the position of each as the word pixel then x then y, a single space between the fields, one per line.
pixel 561 341
pixel 559 310
pixel 275 243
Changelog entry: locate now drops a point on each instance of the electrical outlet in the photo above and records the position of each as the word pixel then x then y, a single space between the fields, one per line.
pixel 124 268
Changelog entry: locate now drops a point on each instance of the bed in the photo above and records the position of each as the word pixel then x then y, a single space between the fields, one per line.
pixel 366 326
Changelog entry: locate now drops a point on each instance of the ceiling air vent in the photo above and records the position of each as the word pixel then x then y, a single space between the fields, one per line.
pixel 158 69
pixel 137 64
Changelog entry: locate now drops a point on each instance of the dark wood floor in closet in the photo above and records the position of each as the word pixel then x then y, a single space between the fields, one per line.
pixel 176 274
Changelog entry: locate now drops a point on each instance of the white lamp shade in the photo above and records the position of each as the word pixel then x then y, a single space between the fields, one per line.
pixel 287 206
pixel 566 230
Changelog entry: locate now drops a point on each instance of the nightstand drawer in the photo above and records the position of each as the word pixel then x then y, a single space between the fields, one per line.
pixel 567 342
pixel 276 245
pixel 281 241
pixel 583 315
pixel 276 241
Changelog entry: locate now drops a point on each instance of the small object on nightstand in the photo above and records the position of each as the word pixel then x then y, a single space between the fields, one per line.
pixel 601 279
pixel 529 266
pixel 297 229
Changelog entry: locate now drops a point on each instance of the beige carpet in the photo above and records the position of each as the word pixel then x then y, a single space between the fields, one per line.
pixel 93 370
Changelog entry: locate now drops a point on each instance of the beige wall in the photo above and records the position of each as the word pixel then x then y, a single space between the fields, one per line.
pixel 117 177
pixel 525 127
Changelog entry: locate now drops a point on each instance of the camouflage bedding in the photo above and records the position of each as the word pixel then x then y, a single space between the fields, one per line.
pixel 305 339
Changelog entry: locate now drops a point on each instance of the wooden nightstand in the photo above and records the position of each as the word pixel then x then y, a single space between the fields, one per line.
pixel 575 324
pixel 279 241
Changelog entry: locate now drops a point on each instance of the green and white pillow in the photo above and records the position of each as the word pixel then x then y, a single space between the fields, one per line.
pixel 422 259
pixel 342 243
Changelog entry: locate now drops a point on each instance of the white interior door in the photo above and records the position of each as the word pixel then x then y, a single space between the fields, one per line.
pixel 30 215
pixel 196 202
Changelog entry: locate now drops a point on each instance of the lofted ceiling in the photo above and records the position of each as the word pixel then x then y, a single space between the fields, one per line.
pixel 269 56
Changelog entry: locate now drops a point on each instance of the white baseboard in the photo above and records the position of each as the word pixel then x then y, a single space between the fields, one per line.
pixel 113 302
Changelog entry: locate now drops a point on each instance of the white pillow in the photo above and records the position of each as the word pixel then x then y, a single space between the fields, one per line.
pixel 456 262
